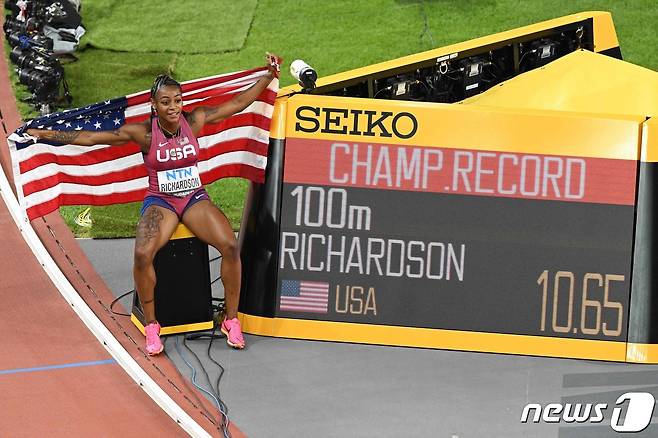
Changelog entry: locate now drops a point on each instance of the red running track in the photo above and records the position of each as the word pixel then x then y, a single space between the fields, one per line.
pixel 57 380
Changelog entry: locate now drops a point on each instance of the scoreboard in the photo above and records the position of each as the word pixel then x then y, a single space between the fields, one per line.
pixel 461 227
pixel 457 226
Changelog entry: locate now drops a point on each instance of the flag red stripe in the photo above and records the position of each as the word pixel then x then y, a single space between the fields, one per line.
pixel 266 96
pixel 215 99
pixel 303 309
pixel 239 120
pixel 203 83
pixel 241 144
pixel 234 170
pixel 79 199
pixel 225 89
pixel 84 159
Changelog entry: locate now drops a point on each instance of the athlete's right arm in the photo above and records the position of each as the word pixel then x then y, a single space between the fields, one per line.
pixel 129 132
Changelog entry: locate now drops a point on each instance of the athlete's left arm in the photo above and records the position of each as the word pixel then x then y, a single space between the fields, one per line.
pixel 212 114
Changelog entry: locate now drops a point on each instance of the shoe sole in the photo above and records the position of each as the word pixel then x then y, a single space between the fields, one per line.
pixel 157 352
pixel 231 344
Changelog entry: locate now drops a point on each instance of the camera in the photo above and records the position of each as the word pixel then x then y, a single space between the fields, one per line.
pixel 31 57
pixel 304 73
pixel 25 40
pixel 38 31
pixel 42 80
pixel 40 71
pixel 14 25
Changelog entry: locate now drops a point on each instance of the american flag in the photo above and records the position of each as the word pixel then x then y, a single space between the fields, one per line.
pixel 304 296
pixel 50 174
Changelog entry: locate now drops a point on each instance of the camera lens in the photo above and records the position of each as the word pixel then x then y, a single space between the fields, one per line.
pixel 17 56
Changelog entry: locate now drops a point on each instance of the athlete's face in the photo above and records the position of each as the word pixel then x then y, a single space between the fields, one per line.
pixel 168 103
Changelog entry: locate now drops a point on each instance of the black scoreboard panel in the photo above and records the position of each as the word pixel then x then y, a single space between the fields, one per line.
pixel 500 265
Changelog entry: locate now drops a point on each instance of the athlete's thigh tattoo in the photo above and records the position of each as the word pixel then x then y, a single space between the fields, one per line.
pixel 148 227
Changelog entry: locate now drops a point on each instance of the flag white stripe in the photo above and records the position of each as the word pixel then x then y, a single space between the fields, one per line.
pixel 315 288
pixel 237 157
pixel 313 301
pixel 249 80
pixel 315 291
pixel 239 132
pixel 294 306
pixel 314 294
pixel 82 189
pixel 240 80
pixel 223 75
pixel 138 110
pixel 65 150
pixel 316 298
pixel 303 303
pixel 237 87
pixel 260 108
pixel 313 283
pixel 305 298
pixel 256 107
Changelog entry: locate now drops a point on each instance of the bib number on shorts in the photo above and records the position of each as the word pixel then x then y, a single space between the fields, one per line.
pixel 179 182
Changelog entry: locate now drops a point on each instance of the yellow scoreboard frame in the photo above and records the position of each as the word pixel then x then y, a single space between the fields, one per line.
pixel 584 298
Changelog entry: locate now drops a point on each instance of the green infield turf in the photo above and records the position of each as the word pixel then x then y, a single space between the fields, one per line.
pixel 175 27
pixel 128 43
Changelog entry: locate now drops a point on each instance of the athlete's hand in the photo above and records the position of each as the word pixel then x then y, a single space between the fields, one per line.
pixel 273 64
pixel 31 134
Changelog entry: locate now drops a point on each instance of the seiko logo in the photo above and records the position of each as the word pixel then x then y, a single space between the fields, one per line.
pixel 356 122
pixel 174 154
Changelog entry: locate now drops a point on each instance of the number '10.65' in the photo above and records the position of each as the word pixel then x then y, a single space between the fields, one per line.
pixel 592 312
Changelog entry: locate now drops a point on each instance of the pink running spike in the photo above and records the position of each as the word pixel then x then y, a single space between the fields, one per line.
pixel 153 344
pixel 231 328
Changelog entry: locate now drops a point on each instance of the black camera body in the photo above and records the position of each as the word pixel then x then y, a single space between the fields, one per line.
pixel 30 39
pixel 29 30
pixel 39 70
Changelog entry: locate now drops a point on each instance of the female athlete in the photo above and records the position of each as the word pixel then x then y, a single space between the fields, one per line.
pixel 169 146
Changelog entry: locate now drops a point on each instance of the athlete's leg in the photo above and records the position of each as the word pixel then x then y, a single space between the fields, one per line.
pixel 209 224
pixel 154 229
